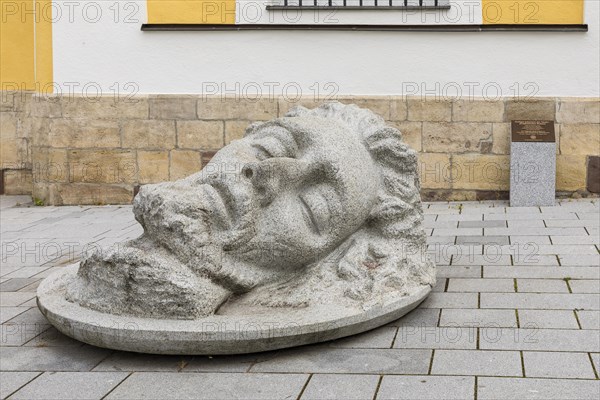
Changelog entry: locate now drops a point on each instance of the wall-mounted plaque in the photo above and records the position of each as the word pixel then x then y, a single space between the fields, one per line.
pixel 532 164
pixel 533 131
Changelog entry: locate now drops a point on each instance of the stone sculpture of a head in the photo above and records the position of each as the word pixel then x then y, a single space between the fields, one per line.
pixel 314 218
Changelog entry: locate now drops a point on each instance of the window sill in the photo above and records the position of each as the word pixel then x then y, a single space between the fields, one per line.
pixel 375 28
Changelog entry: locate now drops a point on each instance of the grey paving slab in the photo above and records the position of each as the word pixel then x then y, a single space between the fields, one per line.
pixel 418 318
pixel 12 381
pixel 548 319
pixel 536 389
pixel 478 318
pixel 539 339
pixel 578 239
pixel 213 386
pixel 458 231
pixel 380 338
pixel 585 286
pixel 481 285
pixel 16 284
pixel 426 387
pixel 595 360
pixel 547 249
pixel 482 224
pixel 70 385
pixel 570 223
pixel 124 361
pixel 557 365
pixel 459 271
pixel 521 240
pixel 530 216
pixel 533 260
pixel 450 300
pixel 12 299
pixel 461 217
pixel 518 223
pixel 589 319
pixel 485 259
pixel 446 240
pixel 497 240
pixel 542 286
pixel 555 301
pixel 448 337
pixel 82 358
pixel 550 272
pixel 321 359
pixel 6 313
pixel 340 386
pixel 477 362
pixel 535 231
pixel 233 363
pixel 582 259
pixel 26 272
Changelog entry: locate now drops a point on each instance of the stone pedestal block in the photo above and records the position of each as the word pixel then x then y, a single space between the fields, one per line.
pixel 532 174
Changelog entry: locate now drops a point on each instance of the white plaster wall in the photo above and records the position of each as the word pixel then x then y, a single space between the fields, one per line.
pixel 111 53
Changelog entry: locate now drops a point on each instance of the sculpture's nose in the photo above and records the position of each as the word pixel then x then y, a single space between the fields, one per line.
pixel 275 175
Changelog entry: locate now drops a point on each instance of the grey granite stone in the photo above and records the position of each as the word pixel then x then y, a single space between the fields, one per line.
pixel 82 358
pixel 307 229
pixel 537 389
pixel 478 318
pixel 209 386
pixel 558 365
pixel 548 319
pixel 340 386
pixel 589 319
pixel 536 339
pixel 12 381
pixel 532 174
pixel 426 388
pixel 320 359
pixel 476 362
pixel 70 385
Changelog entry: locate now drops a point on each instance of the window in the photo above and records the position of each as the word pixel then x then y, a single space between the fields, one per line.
pixel 359 4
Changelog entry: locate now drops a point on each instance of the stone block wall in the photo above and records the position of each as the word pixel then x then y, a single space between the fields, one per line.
pixel 77 150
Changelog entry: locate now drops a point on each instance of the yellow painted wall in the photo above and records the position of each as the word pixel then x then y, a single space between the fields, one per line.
pixel 533 11
pixel 26 44
pixel 191 11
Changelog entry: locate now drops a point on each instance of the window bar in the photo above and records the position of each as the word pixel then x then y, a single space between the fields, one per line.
pixel 405 3
pixel 285 3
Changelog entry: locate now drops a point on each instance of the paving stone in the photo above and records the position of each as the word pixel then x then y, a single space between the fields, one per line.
pixel 589 319
pixel 529 240
pixel 539 339
pixel 477 362
pixel 13 285
pixel 550 272
pixel 528 223
pixel 485 259
pixel 534 259
pixel 548 319
pixel 52 338
pixel 535 231
pixel 461 217
pixel 444 240
pixel 579 239
pixel 555 249
pixel 213 386
pixel 82 358
pixel 557 365
pixel 596 360
pixel 70 385
pixel 451 300
pixel 584 286
pixel 482 224
pixel 6 313
pixel 125 361
pixel 497 240
pixel 530 216
pixel 419 317
pixel 11 381
pixel 481 285
pixel 448 337
pixel 555 301
pixel 380 338
pixel 536 389
pixel 478 318
pixel 542 286
pixel 321 359
pixel 26 272
pixel 11 299
pixel 583 259
pixel 339 386
pixel 458 231
pixel 426 388
pixel 441 224
pixel 459 271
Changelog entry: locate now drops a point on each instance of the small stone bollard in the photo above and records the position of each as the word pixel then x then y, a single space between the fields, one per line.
pixel 532 164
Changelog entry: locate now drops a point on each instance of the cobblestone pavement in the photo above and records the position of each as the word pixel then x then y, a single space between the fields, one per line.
pixel 515 315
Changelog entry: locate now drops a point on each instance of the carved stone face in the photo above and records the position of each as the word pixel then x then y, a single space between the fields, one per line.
pixel 290 191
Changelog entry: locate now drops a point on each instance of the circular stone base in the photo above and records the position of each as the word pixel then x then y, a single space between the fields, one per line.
pixel 264 329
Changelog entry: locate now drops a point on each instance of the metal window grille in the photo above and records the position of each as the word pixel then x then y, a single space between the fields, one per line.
pixel 360 4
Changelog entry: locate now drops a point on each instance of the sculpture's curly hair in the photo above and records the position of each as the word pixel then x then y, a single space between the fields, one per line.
pixel 387 255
